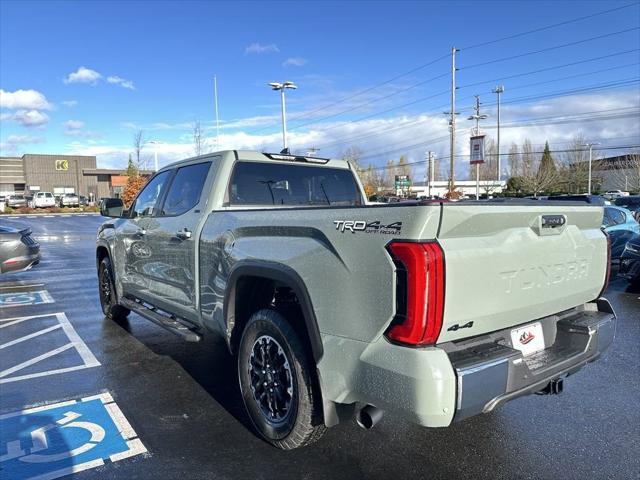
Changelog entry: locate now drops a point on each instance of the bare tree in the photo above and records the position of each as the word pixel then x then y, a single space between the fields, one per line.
pixel 514 160
pixel 488 169
pixel 534 179
pixel 138 145
pixel 574 166
pixel 199 141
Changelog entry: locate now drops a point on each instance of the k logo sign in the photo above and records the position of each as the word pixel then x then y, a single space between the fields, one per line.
pixel 62 165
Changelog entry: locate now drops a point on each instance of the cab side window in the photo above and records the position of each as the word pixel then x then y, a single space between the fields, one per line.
pixel 145 204
pixel 185 190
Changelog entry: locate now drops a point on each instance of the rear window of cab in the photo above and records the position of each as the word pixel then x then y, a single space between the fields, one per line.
pixel 262 183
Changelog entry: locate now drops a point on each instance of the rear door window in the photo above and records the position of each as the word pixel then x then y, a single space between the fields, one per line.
pixel 186 188
pixel 145 204
pixel 261 183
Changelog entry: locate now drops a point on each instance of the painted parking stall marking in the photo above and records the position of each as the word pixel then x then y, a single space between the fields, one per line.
pixel 21 298
pixel 51 441
pixel 26 347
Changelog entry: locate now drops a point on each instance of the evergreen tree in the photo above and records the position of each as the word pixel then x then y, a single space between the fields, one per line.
pixel 547 165
pixel 132 170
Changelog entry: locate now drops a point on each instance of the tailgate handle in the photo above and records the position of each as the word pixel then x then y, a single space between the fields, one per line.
pixel 553 221
pixel 550 224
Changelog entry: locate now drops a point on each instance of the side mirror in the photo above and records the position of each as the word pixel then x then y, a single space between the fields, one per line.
pixel 111 207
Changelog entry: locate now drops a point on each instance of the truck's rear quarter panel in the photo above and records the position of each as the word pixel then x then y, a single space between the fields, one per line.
pixel 348 275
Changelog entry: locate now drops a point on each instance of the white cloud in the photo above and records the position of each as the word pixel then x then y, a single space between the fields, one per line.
pixel 73 124
pixel 75 128
pixel 294 62
pixel 13 143
pixel 26 118
pixel 116 80
pixel 259 49
pixel 24 100
pixel 83 75
pixel 384 138
pixel 69 103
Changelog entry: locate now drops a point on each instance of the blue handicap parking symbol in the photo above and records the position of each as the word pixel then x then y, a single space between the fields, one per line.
pixel 64 438
pixel 18 299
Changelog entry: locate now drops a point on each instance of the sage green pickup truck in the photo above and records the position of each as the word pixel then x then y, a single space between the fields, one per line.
pixel 336 308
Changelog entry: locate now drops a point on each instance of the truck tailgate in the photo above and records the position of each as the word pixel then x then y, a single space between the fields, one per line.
pixel 510 264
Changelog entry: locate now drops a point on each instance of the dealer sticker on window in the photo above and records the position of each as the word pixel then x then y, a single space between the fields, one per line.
pixel 528 339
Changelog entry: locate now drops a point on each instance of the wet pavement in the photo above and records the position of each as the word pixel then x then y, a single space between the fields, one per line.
pixel 182 404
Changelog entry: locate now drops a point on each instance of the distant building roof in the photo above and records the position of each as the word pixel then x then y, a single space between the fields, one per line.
pixel 112 171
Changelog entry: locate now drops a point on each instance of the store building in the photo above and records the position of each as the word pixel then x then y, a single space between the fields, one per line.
pixel 60 174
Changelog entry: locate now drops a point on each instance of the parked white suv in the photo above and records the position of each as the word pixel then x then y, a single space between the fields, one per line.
pixel 43 199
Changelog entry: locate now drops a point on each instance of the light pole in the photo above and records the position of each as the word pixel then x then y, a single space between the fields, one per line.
pixel 282 87
pixel 155 144
pixel 498 90
pixel 477 117
pixel 590 145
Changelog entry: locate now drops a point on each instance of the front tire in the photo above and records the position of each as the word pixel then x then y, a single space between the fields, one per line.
pixel 108 297
pixel 278 382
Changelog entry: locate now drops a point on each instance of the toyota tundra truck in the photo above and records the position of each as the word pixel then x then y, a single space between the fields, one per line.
pixel 336 308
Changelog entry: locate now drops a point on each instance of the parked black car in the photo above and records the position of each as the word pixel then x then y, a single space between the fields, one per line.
pixel 632 203
pixel 18 249
pixel 630 261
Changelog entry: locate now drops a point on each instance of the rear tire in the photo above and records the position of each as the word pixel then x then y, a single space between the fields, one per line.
pixel 108 296
pixel 278 382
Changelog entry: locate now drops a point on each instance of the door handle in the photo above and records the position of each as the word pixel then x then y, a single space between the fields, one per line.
pixel 183 234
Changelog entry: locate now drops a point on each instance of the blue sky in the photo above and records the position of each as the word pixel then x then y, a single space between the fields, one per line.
pixel 95 72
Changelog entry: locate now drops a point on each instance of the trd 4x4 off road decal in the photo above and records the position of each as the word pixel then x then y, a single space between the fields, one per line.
pixel 354 226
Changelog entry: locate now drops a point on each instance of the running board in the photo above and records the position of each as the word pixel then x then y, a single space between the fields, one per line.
pixel 173 325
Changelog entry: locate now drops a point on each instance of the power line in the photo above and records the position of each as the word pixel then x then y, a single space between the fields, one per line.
pixel 556 67
pixel 525 99
pixel 420 67
pixel 547 27
pixel 580 117
pixel 318 120
pixel 422 162
pixel 366 90
pixel 548 49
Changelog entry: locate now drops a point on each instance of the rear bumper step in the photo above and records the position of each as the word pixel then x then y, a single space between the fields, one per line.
pixel 490 373
pixel 173 325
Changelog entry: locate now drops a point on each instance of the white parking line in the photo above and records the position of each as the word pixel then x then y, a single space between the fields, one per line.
pixel 75 342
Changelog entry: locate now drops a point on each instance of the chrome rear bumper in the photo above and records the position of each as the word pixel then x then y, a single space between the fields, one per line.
pixel 490 372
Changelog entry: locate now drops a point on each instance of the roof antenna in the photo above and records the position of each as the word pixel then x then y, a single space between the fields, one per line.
pixel 285 151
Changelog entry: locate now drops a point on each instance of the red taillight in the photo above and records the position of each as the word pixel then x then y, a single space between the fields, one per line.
pixel 420 317
pixel 608 274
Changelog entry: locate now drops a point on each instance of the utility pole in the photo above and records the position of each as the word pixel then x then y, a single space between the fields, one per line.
pixel 477 117
pixel 452 122
pixel 311 151
pixel 428 174
pixel 215 99
pixel 590 145
pixel 498 90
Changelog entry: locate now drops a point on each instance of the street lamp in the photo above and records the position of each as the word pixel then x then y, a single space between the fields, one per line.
pixel 590 145
pixel 282 87
pixel 155 144
pixel 498 90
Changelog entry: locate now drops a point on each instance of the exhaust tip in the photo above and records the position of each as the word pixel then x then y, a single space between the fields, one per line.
pixel 369 416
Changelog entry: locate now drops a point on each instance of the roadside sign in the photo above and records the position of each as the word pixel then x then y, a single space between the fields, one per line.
pixel 402 181
pixel 476 149
pixel 67 437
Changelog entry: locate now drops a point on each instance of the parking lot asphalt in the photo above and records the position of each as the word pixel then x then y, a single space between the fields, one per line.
pixel 183 402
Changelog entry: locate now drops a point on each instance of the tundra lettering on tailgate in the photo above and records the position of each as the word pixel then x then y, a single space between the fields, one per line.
pixel 543 275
